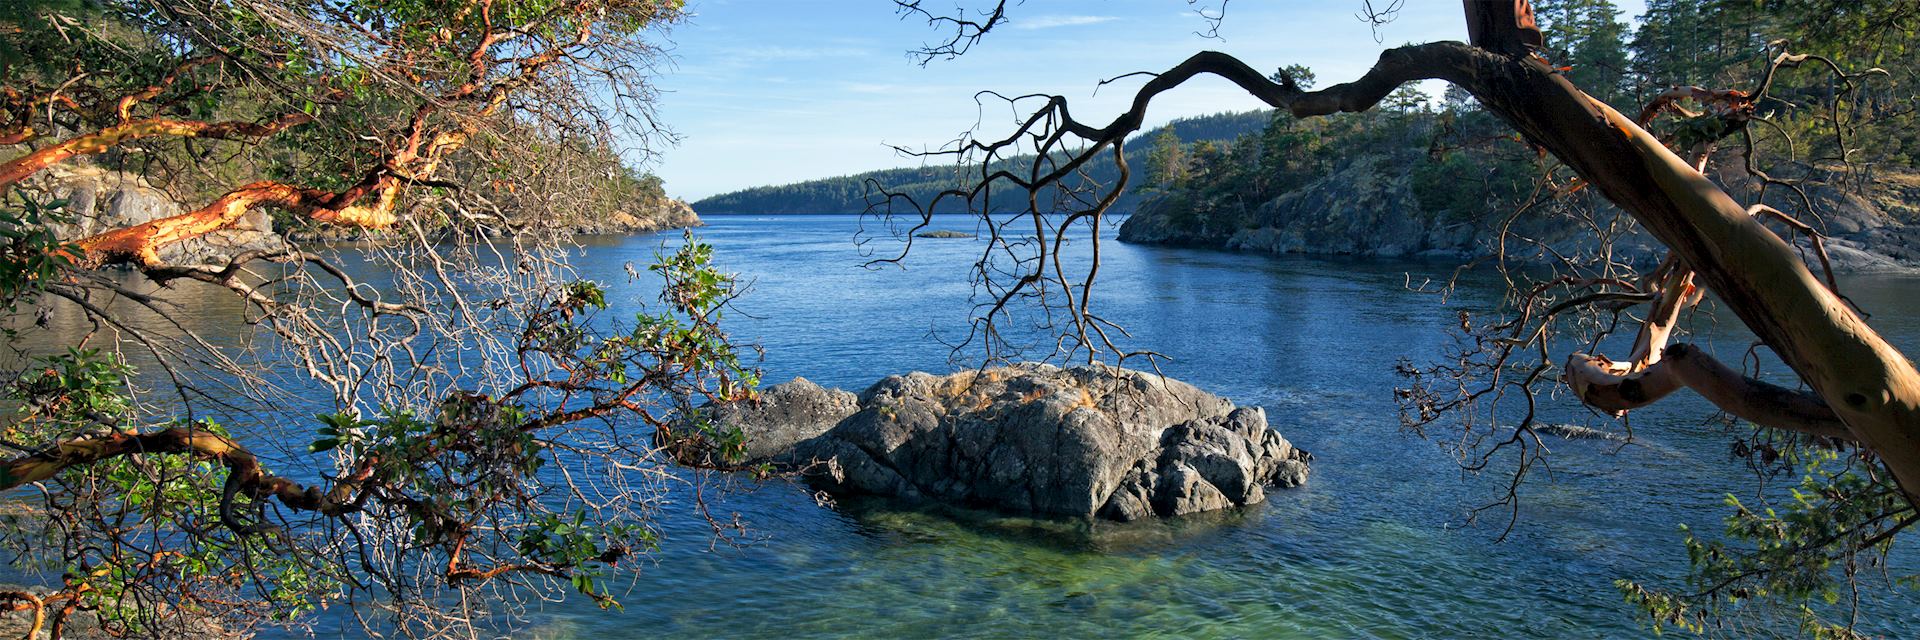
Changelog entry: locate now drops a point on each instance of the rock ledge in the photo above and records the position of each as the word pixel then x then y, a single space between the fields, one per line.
pixel 1083 442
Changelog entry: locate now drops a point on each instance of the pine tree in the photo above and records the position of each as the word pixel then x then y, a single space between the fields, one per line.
pixel 1600 51
pixel 1167 164
pixel 1588 37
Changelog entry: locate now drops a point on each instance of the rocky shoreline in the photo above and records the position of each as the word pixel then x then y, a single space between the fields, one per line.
pixel 99 200
pixel 1087 442
pixel 1368 209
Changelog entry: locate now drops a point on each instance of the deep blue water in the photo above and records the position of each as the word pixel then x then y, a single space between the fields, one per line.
pixel 1372 546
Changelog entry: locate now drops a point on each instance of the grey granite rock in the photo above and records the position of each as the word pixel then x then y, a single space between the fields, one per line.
pixel 1085 442
pixel 100 200
pixel 781 417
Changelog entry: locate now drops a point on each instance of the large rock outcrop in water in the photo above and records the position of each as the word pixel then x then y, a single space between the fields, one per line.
pixel 1088 442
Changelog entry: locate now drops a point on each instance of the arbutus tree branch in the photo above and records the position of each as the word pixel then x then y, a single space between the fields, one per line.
pixel 1858 380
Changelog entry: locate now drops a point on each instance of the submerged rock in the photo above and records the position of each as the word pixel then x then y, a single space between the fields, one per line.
pixel 1086 442
pixel 943 233
pixel 1577 432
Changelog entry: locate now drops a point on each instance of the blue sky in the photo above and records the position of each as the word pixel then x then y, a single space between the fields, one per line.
pixel 778 91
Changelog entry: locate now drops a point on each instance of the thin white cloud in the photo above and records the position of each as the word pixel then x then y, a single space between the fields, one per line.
pixel 796 53
pixel 1049 22
pixel 873 87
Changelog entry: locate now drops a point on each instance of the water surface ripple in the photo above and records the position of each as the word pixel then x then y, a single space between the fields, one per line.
pixel 1371 547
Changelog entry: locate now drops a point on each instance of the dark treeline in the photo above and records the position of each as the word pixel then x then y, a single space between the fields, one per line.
pixel 851 193
pixel 1465 164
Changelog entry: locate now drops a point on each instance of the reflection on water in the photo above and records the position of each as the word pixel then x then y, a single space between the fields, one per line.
pixel 1372 546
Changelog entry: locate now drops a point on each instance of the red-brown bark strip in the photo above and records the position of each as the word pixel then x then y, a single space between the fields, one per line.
pixel 1615 388
pixel 244 468
pixel 17 169
pixel 140 244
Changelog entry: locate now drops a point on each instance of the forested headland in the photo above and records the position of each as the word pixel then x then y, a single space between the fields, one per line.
pixel 1429 175
pixel 1437 175
pixel 852 193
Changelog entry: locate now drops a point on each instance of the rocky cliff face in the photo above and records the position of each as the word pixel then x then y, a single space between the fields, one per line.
pixel 1082 442
pixel 99 200
pixel 1369 209
pixel 670 214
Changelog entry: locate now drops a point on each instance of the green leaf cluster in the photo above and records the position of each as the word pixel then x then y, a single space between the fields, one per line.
pixel 1801 558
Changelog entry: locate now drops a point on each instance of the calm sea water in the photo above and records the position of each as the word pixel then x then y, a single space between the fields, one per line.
pixel 1373 546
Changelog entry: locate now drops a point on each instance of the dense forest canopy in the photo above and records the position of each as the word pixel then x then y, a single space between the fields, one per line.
pixel 301 118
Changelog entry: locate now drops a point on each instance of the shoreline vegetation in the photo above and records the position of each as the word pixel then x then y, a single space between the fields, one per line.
pixel 96 198
pixel 464 418
pixel 1373 185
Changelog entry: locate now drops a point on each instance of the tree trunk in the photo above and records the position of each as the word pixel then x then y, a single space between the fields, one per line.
pixel 1872 387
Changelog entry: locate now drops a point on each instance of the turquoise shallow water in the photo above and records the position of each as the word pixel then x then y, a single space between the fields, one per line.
pixel 1374 546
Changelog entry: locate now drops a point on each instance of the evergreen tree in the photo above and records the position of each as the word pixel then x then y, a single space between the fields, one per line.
pixel 1588 37
pixel 1167 164
pixel 1600 51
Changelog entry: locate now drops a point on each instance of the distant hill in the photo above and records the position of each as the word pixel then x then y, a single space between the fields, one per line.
pixel 848 194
